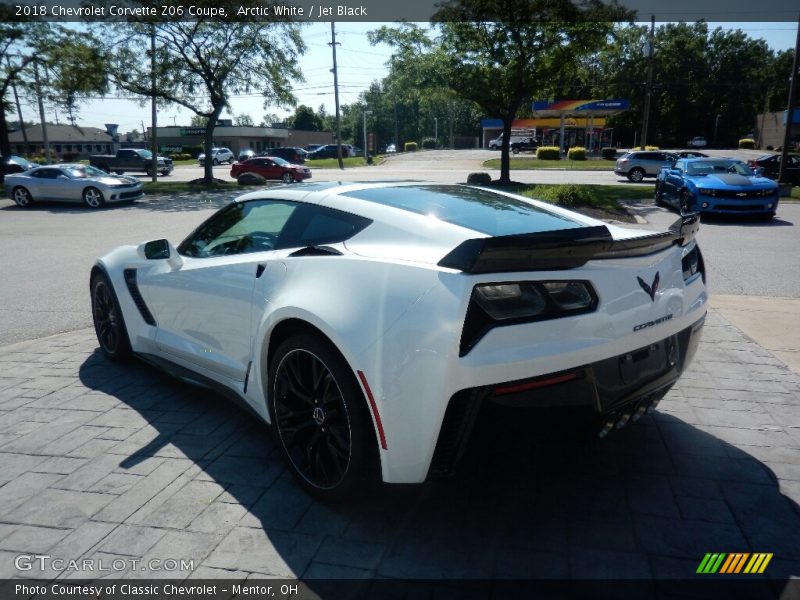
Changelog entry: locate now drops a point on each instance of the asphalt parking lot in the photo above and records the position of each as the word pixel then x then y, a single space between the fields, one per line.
pixel 119 463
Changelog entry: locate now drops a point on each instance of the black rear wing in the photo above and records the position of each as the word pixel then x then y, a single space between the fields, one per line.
pixel 562 249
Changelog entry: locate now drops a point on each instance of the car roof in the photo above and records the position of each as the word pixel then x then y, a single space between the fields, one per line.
pixel 436 214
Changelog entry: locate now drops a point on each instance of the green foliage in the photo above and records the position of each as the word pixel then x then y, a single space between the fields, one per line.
pixel 568 196
pixel 410 147
pixel 479 179
pixel 652 148
pixel 244 120
pixel 576 153
pixel 180 156
pixel 548 153
pixel 747 144
pixel 192 151
pixel 428 143
pixel 305 119
pixel 608 153
pixel 69 156
pixel 201 64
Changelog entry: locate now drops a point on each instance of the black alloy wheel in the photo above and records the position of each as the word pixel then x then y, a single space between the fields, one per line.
pixel 287 178
pixel 319 417
pixel 659 195
pixel 685 198
pixel 108 322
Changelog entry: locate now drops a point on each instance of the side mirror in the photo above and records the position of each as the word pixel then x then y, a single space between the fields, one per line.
pixel 160 250
pixel 156 250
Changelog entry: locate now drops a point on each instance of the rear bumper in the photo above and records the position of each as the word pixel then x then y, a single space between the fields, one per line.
pixel 616 389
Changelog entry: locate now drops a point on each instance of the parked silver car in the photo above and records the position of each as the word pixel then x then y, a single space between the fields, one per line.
pixel 218 155
pixel 71 183
pixel 645 163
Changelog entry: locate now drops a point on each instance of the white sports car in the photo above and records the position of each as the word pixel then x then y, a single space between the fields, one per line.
pixel 368 322
pixel 71 182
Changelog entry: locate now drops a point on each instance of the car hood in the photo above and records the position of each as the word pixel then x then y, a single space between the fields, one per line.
pixel 114 180
pixel 730 180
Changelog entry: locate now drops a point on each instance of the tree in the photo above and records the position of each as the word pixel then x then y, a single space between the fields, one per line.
pixel 70 59
pixel 198 121
pixel 499 53
pixel 305 119
pixel 199 64
pixel 244 120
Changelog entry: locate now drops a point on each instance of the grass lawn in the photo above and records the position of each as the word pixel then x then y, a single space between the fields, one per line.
pixel 184 187
pixel 332 163
pixel 529 163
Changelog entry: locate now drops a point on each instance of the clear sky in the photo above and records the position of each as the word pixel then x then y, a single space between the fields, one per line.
pixel 359 65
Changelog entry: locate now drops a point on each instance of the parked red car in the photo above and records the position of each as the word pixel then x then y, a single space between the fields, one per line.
pixel 271 167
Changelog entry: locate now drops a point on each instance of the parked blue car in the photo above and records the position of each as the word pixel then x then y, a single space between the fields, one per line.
pixel 716 186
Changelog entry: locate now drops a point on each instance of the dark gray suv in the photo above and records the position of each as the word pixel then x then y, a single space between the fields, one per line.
pixel 645 163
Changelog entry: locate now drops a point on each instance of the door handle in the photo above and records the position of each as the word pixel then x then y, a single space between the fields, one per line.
pixel 260 270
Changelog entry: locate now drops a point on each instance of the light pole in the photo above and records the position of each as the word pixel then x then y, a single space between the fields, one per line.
pixel 716 128
pixel 435 131
pixel 649 88
pixel 366 145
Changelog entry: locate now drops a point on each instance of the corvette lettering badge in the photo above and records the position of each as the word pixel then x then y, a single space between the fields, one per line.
pixel 650 289
pixel 653 323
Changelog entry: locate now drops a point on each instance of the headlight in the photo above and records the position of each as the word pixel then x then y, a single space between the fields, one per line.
pixel 509 303
pixel 707 192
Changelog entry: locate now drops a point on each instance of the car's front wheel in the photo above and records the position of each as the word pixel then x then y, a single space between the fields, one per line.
pixel 93 198
pixel 108 322
pixel 319 417
pixel 659 195
pixel 287 178
pixel 22 197
pixel 215 162
pixel 636 175
pixel 685 202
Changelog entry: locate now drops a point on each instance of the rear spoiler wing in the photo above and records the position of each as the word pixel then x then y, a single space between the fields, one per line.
pixel 562 249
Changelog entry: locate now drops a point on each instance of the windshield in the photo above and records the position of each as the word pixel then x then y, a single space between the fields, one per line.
pixel 83 172
pixel 707 167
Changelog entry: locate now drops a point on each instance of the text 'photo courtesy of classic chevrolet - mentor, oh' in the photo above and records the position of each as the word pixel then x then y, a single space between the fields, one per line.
pixel 368 323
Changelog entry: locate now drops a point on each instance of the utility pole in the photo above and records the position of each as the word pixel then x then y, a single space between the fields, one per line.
pixel 366 144
pixel 333 43
pixel 41 112
pixel 787 134
pixel 19 110
pixel 435 131
pixel 154 113
pixel 649 90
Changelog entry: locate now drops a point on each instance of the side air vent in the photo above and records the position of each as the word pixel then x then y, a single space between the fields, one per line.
pixel 133 288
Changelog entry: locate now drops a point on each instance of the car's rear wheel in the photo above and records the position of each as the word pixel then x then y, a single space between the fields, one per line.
pixel 22 197
pixel 108 322
pixel 93 198
pixel 287 178
pixel 215 162
pixel 319 417
pixel 636 175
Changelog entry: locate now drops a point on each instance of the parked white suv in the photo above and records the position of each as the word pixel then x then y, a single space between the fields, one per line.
pixel 497 142
pixel 218 155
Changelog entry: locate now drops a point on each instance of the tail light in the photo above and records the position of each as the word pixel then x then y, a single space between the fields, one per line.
pixel 499 304
pixel 692 264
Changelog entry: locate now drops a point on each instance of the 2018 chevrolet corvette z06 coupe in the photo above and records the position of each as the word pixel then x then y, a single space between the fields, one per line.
pixel 716 186
pixel 71 183
pixel 369 322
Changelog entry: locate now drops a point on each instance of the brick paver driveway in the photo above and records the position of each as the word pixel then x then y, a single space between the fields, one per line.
pixel 107 461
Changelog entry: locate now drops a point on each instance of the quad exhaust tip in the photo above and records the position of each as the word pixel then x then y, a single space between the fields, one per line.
pixel 619 418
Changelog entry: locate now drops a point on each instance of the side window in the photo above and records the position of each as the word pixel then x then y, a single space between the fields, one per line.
pixel 47 173
pixel 318 225
pixel 240 228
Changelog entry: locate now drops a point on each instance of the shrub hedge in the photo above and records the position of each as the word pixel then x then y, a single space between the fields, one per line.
pixel 567 195
pixel 479 179
pixel 410 147
pixel 747 144
pixel 548 153
pixel 576 153
pixel 429 143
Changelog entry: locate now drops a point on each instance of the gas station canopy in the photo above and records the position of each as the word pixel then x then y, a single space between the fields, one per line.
pixel 579 108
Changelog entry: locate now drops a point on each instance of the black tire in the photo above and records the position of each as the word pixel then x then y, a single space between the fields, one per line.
pixel 93 198
pixel 515 150
pixel 683 203
pixel 214 162
pixel 118 172
pixel 149 171
pixel 287 178
pixel 323 430
pixel 659 196
pixel 165 172
pixel 109 324
pixel 22 197
pixel 636 174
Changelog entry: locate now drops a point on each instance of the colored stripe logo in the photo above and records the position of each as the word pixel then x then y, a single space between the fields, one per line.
pixel 734 563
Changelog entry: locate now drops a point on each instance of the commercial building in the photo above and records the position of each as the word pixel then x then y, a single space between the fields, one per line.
pixel 770 129
pixel 65 140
